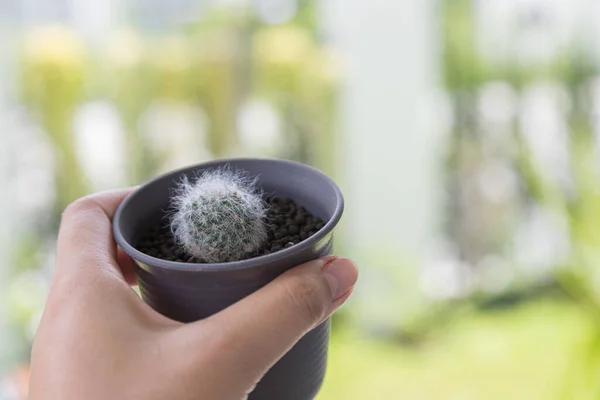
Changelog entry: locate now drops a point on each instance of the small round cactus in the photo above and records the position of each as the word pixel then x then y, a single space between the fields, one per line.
pixel 219 217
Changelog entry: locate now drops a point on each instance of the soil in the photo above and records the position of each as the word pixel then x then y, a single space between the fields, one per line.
pixel 288 224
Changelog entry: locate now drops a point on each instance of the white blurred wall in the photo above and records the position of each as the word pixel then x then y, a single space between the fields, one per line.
pixel 389 141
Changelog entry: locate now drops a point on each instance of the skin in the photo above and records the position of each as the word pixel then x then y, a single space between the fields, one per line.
pixel 98 340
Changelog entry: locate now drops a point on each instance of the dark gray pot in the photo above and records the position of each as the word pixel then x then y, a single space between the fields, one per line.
pixel 188 292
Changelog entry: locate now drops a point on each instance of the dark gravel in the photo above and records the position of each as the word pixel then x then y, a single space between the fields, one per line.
pixel 288 223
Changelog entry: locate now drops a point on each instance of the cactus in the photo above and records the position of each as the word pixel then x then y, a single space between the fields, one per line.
pixel 219 217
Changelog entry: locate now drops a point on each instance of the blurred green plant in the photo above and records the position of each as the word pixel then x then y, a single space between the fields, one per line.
pixel 300 77
pixel 218 92
pixel 517 353
pixel 53 70
pixel 578 201
pixel 128 81
pixel 579 276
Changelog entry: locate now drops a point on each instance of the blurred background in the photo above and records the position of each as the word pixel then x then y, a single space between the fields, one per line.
pixel 465 135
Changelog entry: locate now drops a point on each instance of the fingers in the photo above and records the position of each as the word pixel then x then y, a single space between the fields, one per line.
pixel 259 330
pixel 85 242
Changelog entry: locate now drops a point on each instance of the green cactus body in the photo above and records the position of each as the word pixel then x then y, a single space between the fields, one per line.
pixel 219 217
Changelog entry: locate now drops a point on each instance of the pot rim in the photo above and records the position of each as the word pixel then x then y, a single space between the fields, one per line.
pixel 231 265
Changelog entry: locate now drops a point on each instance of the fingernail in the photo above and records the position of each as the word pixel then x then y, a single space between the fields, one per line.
pixel 341 275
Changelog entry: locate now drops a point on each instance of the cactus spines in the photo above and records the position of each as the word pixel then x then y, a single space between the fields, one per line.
pixel 219 217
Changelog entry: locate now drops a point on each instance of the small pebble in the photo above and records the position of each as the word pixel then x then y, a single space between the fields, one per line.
pixel 275 248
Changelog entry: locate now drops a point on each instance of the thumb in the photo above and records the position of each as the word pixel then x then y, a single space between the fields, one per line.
pixel 258 330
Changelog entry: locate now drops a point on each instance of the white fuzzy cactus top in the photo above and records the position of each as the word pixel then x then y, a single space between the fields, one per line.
pixel 219 217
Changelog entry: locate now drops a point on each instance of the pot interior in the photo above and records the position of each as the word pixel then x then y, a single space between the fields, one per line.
pixel 147 207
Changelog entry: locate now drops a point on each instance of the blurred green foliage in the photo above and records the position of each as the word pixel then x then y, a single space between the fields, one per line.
pixel 466 71
pixel 521 353
pixel 53 68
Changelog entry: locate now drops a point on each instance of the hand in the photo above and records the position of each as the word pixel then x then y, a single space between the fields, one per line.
pixel 98 340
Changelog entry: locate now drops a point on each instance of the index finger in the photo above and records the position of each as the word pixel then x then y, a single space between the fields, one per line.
pixel 85 236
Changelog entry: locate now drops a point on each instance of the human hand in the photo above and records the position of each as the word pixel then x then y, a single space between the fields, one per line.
pixel 98 340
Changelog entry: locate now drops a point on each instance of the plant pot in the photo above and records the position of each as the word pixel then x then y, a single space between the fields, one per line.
pixel 188 292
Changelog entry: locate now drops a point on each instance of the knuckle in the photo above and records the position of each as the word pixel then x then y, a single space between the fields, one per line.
pixel 83 205
pixel 306 297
